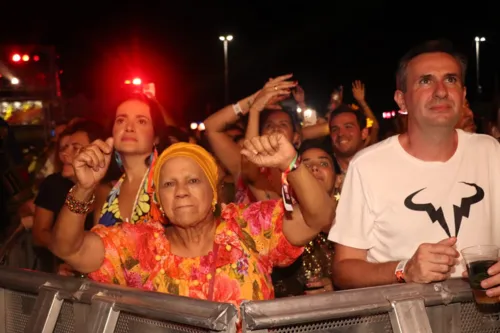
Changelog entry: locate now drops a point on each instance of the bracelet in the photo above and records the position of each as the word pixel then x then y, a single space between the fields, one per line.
pixel 293 166
pixel 237 109
pixel 400 271
pixel 77 206
pixel 286 190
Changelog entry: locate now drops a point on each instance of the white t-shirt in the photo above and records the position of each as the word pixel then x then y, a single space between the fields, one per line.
pixel 392 202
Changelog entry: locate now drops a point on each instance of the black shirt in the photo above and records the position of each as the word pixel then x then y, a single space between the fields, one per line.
pixel 51 196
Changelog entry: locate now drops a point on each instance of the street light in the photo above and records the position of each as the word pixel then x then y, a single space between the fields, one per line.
pixel 225 40
pixel 478 40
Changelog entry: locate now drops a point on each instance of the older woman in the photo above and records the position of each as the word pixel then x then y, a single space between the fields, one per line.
pixel 226 259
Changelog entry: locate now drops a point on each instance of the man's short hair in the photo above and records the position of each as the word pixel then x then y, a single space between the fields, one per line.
pixel 343 108
pixel 433 46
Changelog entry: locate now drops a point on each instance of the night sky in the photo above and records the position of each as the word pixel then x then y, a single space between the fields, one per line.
pixel 177 46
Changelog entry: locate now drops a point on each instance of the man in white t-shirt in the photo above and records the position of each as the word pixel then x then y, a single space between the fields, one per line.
pixel 412 202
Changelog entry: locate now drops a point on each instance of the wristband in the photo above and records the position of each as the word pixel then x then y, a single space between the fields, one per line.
pixel 77 206
pixel 237 109
pixel 400 271
pixel 286 190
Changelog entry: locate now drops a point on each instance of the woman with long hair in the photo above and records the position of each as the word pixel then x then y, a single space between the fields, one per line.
pixel 137 127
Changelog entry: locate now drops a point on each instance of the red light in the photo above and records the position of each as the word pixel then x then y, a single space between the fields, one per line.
pixel 127 81
pixel 16 57
pixel 136 81
pixel 26 57
pixel 36 58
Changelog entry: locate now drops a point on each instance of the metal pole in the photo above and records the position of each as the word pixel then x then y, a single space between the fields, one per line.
pixel 477 66
pixel 226 74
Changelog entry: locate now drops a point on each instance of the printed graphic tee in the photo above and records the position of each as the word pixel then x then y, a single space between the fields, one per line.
pixel 392 202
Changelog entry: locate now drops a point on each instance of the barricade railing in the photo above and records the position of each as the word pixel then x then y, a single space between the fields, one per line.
pixel 35 302
pixel 445 307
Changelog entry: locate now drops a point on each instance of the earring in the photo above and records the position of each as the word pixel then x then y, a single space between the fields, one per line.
pixel 118 160
pixel 162 212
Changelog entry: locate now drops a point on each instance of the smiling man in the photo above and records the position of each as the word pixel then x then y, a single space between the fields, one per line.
pixel 348 132
pixel 410 203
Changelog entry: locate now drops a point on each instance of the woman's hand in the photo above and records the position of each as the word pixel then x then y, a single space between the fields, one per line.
pixel 323 285
pixel 92 162
pixel 271 151
pixel 273 91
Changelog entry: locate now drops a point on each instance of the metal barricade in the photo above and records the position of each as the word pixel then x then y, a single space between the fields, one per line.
pixel 445 307
pixel 35 302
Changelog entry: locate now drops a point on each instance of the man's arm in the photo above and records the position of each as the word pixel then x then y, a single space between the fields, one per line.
pixel 430 263
pixel 350 269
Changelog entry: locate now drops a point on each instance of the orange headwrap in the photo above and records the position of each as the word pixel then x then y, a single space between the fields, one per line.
pixel 202 157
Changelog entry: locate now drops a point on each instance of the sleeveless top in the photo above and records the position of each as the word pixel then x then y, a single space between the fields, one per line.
pixel 145 207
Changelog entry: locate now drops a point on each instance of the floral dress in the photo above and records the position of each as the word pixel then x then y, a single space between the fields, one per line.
pixel 249 241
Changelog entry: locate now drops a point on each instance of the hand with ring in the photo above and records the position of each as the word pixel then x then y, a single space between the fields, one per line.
pixel 273 91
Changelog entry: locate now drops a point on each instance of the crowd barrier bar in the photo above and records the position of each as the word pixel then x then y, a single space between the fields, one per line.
pixel 445 307
pixel 51 303
pixel 97 307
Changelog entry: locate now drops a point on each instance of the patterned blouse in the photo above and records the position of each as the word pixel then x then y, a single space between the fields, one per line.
pixel 145 207
pixel 249 241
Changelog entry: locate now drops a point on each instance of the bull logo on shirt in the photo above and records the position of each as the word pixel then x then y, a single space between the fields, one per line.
pixel 437 215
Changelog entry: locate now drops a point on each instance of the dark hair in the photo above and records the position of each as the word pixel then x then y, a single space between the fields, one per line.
pixel 175 132
pixel 323 145
pixel 93 129
pixel 292 115
pixel 343 108
pixel 315 144
pixel 156 110
pixel 433 46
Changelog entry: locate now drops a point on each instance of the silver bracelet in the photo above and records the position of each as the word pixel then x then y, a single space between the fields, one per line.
pixel 237 109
